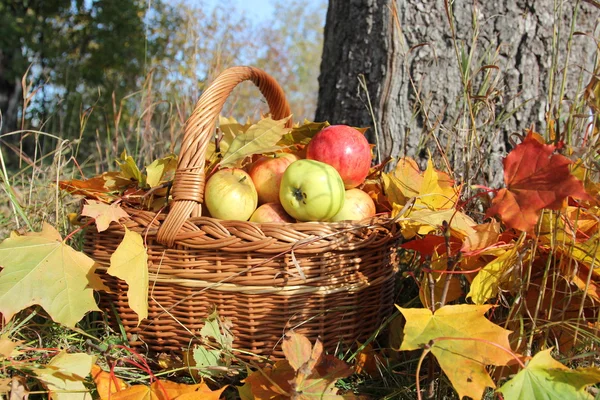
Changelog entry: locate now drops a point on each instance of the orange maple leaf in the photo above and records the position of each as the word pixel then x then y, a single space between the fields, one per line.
pixel 535 178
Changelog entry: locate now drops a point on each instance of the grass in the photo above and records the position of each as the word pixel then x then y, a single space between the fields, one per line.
pixel 150 128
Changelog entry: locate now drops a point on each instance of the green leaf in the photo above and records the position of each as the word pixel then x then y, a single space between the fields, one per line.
pixel 546 378
pixel 159 169
pixel 219 330
pixel 65 375
pixel 129 168
pixel 260 138
pixel 302 134
pixel 41 269
pixel 130 263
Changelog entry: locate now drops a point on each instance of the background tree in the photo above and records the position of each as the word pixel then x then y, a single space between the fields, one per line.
pixel 458 78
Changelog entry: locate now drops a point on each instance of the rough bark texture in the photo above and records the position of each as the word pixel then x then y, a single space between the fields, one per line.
pixel 409 61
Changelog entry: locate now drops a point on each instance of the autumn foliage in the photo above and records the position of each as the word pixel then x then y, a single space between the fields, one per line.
pixel 538 235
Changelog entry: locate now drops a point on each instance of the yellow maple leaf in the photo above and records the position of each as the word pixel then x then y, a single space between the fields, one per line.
pixel 65 374
pixel 103 213
pixel 130 263
pixel 495 275
pixel 432 190
pixel 426 221
pixel 437 191
pixel 40 268
pixel 463 341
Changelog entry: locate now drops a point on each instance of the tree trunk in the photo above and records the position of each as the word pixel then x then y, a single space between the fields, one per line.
pixel 410 56
pixel 10 96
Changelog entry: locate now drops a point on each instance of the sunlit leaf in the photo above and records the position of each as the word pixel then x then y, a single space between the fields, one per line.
pixel 496 275
pixel 159 169
pixel 546 378
pixel 129 168
pixel 426 221
pixel 103 213
pixel 43 270
pixel 536 178
pixel 261 137
pixel 65 374
pixel 106 384
pixel 463 360
pixel 129 262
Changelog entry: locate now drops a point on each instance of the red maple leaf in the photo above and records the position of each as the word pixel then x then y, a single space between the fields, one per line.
pixel 535 178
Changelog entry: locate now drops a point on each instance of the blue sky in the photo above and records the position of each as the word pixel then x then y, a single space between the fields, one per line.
pixel 262 9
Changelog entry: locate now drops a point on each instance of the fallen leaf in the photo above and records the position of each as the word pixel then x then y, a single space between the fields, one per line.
pixel 43 270
pixel 464 361
pixel 103 213
pixel 8 347
pixel 65 374
pixel 545 378
pixel 18 391
pixel 496 275
pixel 167 390
pixel 423 222
pixel 106 384
pixel 484 235
pixel 535 178
pixel 129 262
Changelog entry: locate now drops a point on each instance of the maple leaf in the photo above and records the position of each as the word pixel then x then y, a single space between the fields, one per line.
pixel 423 222
pixel 464 361
pixel 302 134
pixel 129 262
pixel 306 373
pixel 484 235
pixel 103 213
pixel 496 274
pixel 65 374
pixel 535 178
pixel 218 331
pixel 261 137
pixel 546 378
pixel 42 269
pixel 129 169
pixel 106 384
pixel 159 169
pixel 8 347
pixel 433 190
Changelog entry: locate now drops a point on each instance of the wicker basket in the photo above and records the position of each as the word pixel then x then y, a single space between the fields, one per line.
pixel 332 280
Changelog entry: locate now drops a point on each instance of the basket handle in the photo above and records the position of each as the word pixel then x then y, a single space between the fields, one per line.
pixel 188 184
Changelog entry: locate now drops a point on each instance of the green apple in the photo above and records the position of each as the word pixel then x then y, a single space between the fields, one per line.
pixel 311 191
pixel 358 205
pixel 230 194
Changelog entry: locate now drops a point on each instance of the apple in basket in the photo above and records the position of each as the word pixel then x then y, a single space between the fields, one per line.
pixel 311 191
pixel 358 205
pixel 266 173
pixel 344 148
pixel 271 212
pixel 230 194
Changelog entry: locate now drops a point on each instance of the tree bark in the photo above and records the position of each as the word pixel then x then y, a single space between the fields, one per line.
pixel 410 56
pixel 10 96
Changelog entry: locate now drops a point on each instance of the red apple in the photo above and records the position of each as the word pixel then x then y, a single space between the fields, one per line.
pixel 358 205
pixel 230 194
pixel 271 212
pixel 266 173
pixel 345 149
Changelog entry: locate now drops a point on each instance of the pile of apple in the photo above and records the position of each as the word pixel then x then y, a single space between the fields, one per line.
pixel 288 188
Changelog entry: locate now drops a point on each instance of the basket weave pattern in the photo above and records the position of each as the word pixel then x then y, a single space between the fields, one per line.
pixel 332 280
